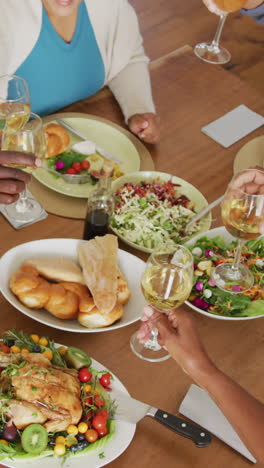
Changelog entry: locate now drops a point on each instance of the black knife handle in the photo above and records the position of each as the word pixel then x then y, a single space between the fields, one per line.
pixel 200 436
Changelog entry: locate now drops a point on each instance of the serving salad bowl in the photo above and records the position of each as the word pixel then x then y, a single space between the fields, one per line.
pixel 152 207
pixel 214 247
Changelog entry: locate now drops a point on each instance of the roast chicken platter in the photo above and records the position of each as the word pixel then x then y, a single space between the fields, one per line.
pixel 94 291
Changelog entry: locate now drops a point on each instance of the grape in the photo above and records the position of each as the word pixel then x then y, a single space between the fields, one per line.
pixel 10 432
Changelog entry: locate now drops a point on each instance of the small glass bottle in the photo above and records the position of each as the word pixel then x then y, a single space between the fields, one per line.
pixel 100 205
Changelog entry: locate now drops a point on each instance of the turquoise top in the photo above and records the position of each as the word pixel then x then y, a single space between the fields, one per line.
pixel 59 73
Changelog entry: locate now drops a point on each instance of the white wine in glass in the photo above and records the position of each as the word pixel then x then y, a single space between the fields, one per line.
pixel 242 215
pixel 212 52
pixel 29 139
pixel 14 102
pixel 166 283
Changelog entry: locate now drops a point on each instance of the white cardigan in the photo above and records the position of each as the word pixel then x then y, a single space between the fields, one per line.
pixel 117 33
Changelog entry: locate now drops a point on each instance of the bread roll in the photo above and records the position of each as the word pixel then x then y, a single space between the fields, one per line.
pixel 56 269
pixel 33 291
pixel 97 319
pixel 58 139
pixel 62 304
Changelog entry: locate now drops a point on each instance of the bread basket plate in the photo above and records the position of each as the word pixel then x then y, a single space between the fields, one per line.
pixel 103 451
pixel 112 138
pixel 131 267
pixel 224 234
pixel 185 188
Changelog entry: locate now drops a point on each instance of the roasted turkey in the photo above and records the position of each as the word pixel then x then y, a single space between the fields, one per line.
pixel 41 393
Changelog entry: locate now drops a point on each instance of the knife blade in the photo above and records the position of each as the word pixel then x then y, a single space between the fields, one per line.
pixel 131 410
pixel 98 148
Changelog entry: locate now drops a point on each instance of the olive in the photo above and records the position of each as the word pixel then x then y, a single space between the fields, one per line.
pixel 79 446
pixel 36 349
pixel 9 343
pixel 81 437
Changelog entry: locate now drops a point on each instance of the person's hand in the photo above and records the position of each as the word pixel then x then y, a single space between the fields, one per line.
pixel 13 180
pixel 177 332
pixel 250 181
pixel 145 126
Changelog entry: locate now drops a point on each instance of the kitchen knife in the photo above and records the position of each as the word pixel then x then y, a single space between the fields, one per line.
pixel 98 149
pixel 133 411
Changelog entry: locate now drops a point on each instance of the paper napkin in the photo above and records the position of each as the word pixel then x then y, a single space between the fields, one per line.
pixel 233 126
pixel 200 408
pixel 20 224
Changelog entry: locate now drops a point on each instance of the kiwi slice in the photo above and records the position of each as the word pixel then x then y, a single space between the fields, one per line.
pixel 34 439
pixel 77 358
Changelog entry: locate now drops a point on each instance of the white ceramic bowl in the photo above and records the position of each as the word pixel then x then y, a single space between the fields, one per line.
pixel 186 189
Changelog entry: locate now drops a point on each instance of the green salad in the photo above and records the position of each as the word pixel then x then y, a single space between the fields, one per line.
pixel 207 254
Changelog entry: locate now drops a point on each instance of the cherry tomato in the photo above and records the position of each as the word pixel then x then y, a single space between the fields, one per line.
pixel 85 375
pixel 88 401
pixel 103 431
pixel 91 435
pixel 76 166
pixel 102 412
pixel 71 171
pixel 85 164
pixel 105 379
pixel 5 349
pixel 98 423
pixel 99 401
pixel 1 368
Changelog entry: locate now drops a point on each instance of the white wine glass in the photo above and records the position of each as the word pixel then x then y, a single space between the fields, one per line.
pixel 14 102
pixel 242 215
pixel 29 139
pixel 166 283
pixel 212 52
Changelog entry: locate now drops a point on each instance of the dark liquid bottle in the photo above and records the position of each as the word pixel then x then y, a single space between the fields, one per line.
pixel 96 224
pixel 100 206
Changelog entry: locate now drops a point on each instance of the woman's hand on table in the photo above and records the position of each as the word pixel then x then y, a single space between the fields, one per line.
pixel 13 180
pixel 145 126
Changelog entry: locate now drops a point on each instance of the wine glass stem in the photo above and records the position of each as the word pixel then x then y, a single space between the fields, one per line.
pixel 237 258
pixel 22 203
pixel 216 39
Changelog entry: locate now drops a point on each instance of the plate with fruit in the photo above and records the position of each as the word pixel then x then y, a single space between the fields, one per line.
pixel 59 403
pixel 211 249
pixel 61 157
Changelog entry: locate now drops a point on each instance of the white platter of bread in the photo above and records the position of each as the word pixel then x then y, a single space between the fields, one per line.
pixel 74 285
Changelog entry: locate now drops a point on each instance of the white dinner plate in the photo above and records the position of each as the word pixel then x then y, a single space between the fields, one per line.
pixel 131 266
pixel 103 453
pixel 222 232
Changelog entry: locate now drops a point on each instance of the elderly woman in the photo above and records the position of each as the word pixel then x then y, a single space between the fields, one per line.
pixel 67 50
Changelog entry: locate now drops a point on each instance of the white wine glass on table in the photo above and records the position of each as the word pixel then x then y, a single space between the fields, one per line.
pixel 242 215
pixel 30 138
pixel 14 102
pixel 212 52
pixel 166 283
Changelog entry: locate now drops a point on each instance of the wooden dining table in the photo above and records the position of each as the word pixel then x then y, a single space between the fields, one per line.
pixel 188 94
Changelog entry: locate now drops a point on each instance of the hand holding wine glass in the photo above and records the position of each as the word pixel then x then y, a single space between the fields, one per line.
pixel 29 139
pixel 166 283
pixel 243 217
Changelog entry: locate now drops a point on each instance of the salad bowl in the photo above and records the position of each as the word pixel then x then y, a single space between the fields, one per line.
pixel 212 302
pixel 134 223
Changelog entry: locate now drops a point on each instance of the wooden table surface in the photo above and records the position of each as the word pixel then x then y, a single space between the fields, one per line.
pixel 188 94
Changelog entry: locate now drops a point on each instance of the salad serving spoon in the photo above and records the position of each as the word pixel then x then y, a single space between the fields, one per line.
pixel 201 214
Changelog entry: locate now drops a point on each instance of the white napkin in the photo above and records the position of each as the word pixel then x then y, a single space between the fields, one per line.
pixel 20 224
pixel 233 126
pixel 200 408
